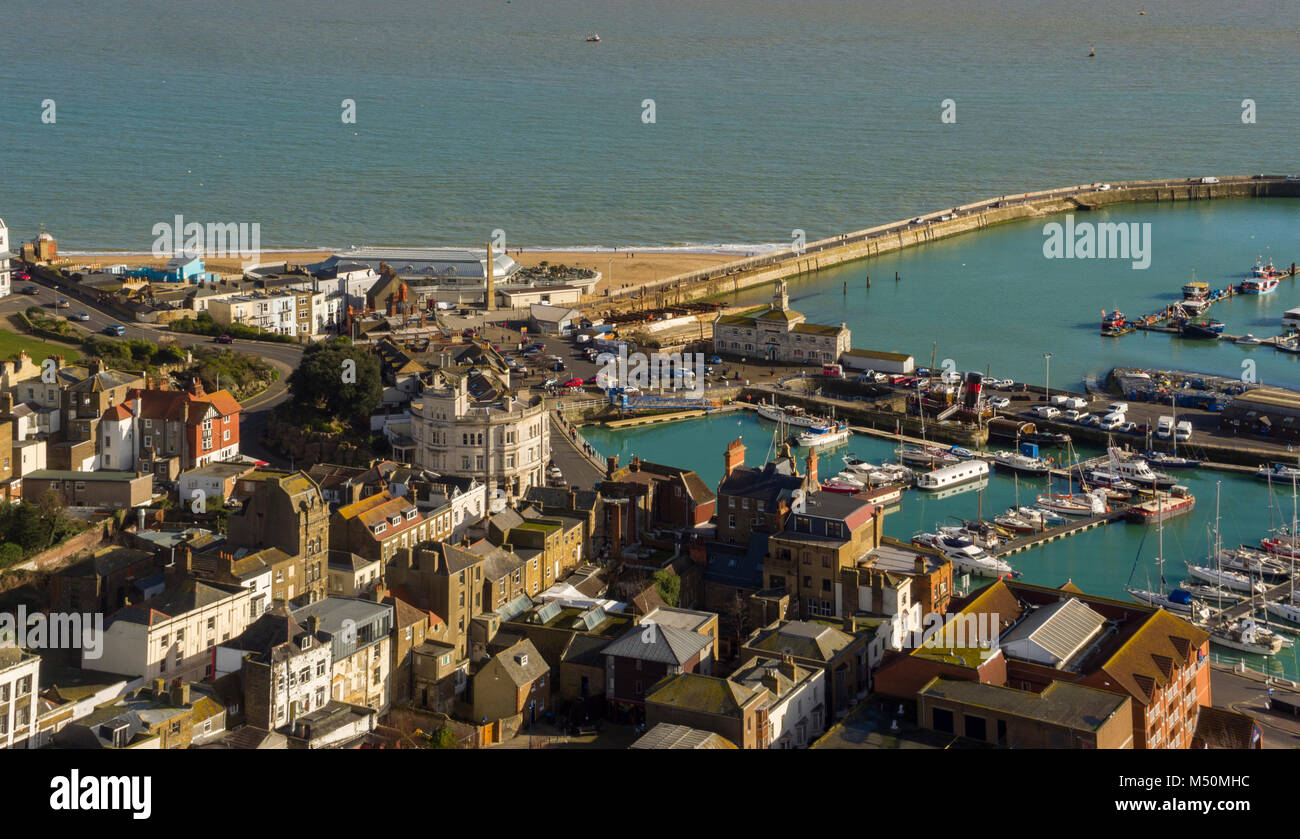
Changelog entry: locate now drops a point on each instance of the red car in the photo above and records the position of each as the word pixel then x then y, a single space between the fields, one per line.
pixel 573 383
pixel 225 339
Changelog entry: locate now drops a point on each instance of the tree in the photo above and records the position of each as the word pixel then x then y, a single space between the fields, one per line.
pixel 443 738
pixel 337 379
pixel 669 586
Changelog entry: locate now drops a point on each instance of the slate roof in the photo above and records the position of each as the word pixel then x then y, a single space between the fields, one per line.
pixel 519 672
pixel 737 565
pixel 658 643
pixel 803 639
pixel 669 736
pixel 274 636
pixel 704 694
pixel 175 600
pixel 770 482
pixel 1061 703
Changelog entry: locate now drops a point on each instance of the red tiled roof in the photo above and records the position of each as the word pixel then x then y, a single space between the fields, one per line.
pixel 117 413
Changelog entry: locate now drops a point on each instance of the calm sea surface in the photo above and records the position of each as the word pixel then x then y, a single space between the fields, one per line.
pixel 821 115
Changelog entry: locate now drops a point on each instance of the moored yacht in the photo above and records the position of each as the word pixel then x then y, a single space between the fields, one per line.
pixel 965 555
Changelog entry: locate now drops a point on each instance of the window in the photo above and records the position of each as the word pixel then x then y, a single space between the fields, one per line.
pixel 943 720
pixel 320 668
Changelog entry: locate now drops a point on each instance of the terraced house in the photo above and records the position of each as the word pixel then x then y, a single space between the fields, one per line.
pixel 360 647
pixel 180 430
pixel 377 527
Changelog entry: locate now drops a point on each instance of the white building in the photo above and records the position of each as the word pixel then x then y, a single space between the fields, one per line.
pixel 494 437
pixel 5 256
pixel 286 668
pixel 19 685
pixel 172 636
pixel 780 334
pixel 117 439
pixel 796 710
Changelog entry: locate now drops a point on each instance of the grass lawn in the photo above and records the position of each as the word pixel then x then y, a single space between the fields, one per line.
pixel 38 349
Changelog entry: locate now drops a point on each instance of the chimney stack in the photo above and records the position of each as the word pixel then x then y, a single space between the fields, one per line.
pixel 920 564
pixel 611 466
pixel 787 666
pixel 313 624
pixel 180 693
pixel 734 457
pixel 813 484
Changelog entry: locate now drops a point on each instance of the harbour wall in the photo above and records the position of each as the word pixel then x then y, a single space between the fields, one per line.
pixel 862 244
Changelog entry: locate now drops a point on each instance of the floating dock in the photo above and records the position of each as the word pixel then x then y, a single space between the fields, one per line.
pixel 1061 531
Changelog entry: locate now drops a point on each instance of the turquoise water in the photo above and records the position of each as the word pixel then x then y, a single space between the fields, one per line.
pixel 991 300
pixel 1100 561
pixel 821 115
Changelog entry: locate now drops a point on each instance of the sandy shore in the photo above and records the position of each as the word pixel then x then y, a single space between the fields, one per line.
pixel 618 268
pixel 623 268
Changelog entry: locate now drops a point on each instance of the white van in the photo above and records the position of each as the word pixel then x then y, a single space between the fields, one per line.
pixel 1165 428
pixel 1183 431
pixel 1119 407
pixel 1060 399
pixel 1046 412
pixel 1209 180
pixel 1112 421
pixel 1076 402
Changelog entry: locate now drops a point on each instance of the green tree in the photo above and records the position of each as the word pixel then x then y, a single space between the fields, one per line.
pixel 443 738
pixel 669 586
pixel 10 553
pixel 337 379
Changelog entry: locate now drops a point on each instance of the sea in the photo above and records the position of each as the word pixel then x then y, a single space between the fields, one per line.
pixel 768 117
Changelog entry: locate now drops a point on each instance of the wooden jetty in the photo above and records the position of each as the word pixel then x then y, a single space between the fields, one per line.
pixel 1248 606
pixel 1061 531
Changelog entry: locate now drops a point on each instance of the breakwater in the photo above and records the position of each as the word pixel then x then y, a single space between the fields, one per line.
pixel 887 238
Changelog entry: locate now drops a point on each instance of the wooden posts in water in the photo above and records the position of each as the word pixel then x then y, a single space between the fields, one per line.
pixel 895 276
pixel 868 281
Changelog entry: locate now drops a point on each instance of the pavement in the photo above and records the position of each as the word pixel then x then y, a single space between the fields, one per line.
pixel 1248 693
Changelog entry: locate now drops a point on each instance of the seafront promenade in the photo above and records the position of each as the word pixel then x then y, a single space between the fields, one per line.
pixel 886 238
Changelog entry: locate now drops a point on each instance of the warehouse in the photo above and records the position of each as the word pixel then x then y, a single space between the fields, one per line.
pixel 1265 412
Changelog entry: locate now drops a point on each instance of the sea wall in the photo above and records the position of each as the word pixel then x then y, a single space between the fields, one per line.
pixel 863 244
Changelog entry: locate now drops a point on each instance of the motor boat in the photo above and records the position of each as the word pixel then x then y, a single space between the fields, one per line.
pixel 591 39
pixel 1165 460
pixel 965 555
pixel 1017 462
pixel 1247 340
pixel 1015 523
pixel 1279 472
pixel 824 435
pixel 1206 329
pixel 1246 635
pixel 1135 470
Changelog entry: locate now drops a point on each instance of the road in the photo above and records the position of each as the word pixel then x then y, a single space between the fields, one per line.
pixel 252 426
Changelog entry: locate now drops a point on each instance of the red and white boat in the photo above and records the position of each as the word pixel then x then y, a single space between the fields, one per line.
pixel 1282 546
pixel 1260 285
pixel 841 487
pixel 1174 503
pixel 1112 322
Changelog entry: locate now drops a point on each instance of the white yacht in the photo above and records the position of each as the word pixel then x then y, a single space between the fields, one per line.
pixel 964 555
pixel 1226 579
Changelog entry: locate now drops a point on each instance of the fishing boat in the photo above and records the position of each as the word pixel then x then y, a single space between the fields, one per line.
pixel 1248 340
pixel 591 39
pixel 1017 462
pixel 1196 291
pixel 1114 323
pixel 1260 285
pixel 965 555
pixel 824 435
pixel 791 415
pixel 1133 469
pixel 1264 270
pixel 1203 330
pixel 1165 506
pixel 949 476
pixel 1290 345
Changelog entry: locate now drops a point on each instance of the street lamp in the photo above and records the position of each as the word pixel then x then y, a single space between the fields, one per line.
pixel 1047 385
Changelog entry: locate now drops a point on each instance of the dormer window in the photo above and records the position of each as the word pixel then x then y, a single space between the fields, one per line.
pixel 396 520
pixel 411 514
pixel 381 527
pixel 306 642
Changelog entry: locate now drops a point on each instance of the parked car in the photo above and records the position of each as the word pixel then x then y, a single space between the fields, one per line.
pixel 1076 402
pixel 1071 416
pixel 575 382
pixel 1183 431
pixel 1094 420
pixel 552 382
pixel 81 316
pixel 1110 422
pixel 1103 187
pixel 1000 402
pixel 225 339
pixel 1128 428
pixel 1046 412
